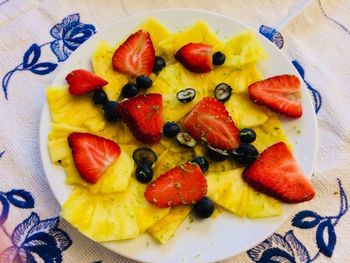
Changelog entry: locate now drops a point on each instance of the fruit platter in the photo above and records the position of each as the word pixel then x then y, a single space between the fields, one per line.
pixel 159 135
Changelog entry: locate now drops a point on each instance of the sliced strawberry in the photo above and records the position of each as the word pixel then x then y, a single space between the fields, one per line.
pixel 135 56
pixel 92 154
pixel 144 116
pixel 276 173
pixel 184 184
pixel 82 81
pixel 196 57
pixel 280 93
pixel 210 122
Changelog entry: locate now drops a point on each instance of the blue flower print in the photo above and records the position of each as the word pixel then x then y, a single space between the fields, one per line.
pixel 69 35
pixel 34 239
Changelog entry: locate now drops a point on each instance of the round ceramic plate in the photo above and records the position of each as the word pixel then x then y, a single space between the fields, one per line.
pixel 206 240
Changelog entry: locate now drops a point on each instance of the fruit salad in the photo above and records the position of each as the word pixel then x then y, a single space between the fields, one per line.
pixel 166 124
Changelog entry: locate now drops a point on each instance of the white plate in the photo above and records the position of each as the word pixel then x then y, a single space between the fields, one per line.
pixel 207 240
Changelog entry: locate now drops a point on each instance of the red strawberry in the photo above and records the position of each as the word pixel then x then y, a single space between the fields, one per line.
pixel 276 173
pixel 135 56
pixel 210 122
pixel 196 57
pixel 92 154
pixel 279 93
pixel 82 81
pixel 184 184
pixel 144 116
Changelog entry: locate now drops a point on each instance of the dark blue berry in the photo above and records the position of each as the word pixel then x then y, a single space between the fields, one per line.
pixel 100 97
pixel 186 95
pixel 202 162
pixel 144 155
pixel 129 90
pixel 159 64
pixel 143 82
pixel 110 111
pixel 218 58
pixel 144 173
pixel 204 208
pixel 171 129
pixel 246 153
pixel 222 92
pixel 247 135
pixel 217 154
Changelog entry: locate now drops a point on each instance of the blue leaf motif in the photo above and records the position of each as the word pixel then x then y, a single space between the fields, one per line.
pixel 299 68
pixel 31 56
pixel 21 231
pixel 298 248
pixel 275 255
pixel 42 244
pixel 62 239
pixel 20 198
pixel 43 68
pixel 44 226
pixel 273 35
pixel 326 247
pixel 4 210
pixel 306 219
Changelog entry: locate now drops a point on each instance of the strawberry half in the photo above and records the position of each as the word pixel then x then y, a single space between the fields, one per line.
pixel 276 173
pixel 280 93
pixel 144 116
pixel 135 56
pixel 92 154
pixel 184 184
pixel 196 57
pixel 82 82
pixel 210 122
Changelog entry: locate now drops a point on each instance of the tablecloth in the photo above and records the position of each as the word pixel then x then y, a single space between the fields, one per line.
pixel 37 37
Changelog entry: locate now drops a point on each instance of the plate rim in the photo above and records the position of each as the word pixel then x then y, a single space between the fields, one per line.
pixel 43 135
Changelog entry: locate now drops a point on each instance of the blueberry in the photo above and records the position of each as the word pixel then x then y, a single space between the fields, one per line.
pixel 144 173
pixel 143 82
pixel 129 90
pixel 202 162
pixel 245 153
pixel 186 95
pixel 159 64
pixel 247 135
pixel 222 92
pixel 144 155
pixel 110 111
pixel 204 207
pixel 100 97
pixel 186 139
pixel 171 129
pixel 217 154
pixel 218 58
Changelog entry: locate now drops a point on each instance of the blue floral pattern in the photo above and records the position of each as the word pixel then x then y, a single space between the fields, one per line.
pixel 273 35
pixel 68 36
pixel 288 248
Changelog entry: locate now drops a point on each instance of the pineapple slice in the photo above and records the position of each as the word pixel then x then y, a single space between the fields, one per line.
pixel 74 111
pixel 244 112
pixel 163 230
pixel 157 31
pixel 238 79
pixel 270 133
pixel 243 49
pixel 198 32
pixel 170 81
pixel 109 217
pixel 102 64
pixel 228 190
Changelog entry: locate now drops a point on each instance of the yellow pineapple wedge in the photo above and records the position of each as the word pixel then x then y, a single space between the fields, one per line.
pixel 163 230
pixel 244 112
pixel 197 33
pixel 228 190
pixel 75 111
pixel 243 49
pixel 170 81
pixel 109 217
pixel 157 31
pixel 101 61
pixel 270 133
pixel 238 78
